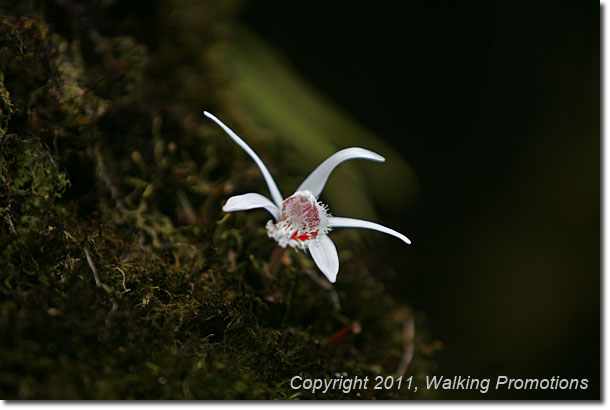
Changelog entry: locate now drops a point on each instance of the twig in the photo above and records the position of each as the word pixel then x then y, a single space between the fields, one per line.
pixel 187 208
pixel 98 282
pixel 220 190
pixel 111 312
pixel 408 335
pixel 342 334
pixel 124 287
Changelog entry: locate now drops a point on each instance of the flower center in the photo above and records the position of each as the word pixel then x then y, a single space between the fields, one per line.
pixel 304 219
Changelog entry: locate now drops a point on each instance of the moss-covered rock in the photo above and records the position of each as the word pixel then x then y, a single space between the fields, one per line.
pixel 121 278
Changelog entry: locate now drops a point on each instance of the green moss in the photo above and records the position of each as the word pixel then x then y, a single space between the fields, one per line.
pixel 121 277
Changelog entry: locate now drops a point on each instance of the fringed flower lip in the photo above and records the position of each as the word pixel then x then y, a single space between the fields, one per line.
pixel 301 221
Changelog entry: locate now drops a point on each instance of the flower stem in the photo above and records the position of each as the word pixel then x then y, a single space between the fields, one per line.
pixel 275 261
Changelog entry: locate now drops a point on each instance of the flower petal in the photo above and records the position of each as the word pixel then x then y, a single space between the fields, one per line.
pixel 337 222
pixel 273 189
pixel 317 179
pixel 324 254
pixel 251 201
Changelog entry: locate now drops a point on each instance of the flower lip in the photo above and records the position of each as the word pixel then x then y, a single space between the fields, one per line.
pixel 303 220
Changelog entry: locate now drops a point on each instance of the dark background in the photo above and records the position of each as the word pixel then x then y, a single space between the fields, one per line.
pixel 496 107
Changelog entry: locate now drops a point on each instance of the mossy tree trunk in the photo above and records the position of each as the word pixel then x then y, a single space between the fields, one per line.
pixel 120 277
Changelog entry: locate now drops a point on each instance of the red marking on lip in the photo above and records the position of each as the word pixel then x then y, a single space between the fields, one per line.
pixel 301 220
pixel 304 237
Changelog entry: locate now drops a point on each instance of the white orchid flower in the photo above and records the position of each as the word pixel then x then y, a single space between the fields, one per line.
pixel 301 221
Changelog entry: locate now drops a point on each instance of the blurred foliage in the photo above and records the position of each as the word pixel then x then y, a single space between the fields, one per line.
pixel 121 278
pixel 314 128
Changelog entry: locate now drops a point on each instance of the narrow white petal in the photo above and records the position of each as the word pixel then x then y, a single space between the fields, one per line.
pixel 317 179
pixel 251 201
pixel 337 222
pixel 273 189
pixel 324 254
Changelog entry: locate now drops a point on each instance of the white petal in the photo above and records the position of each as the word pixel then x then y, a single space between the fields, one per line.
pixel 337 222
pixel 324 254
pixel 317 179
pixel 251 201
pixel 273 189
